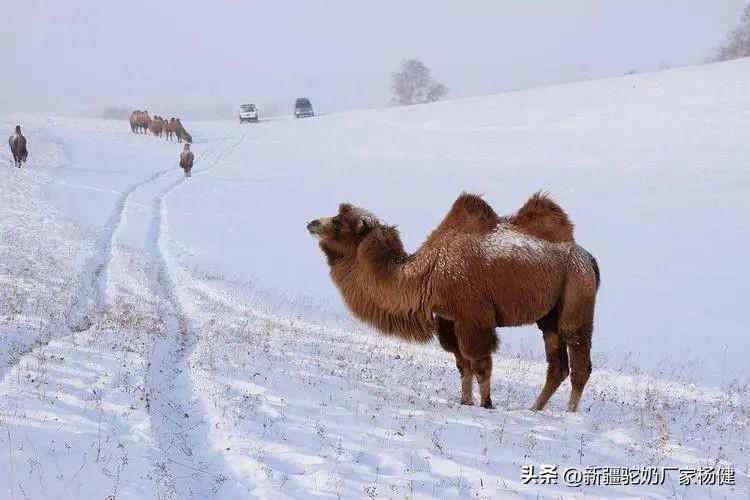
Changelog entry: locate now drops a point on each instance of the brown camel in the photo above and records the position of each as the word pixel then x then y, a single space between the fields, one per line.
pixel 475 272
pixel 17 144
pixel 186 160
pixel 156 126
pixel 169 129
pixel 134 121
pixel 143 121
pixel 181 133
pixel 164 128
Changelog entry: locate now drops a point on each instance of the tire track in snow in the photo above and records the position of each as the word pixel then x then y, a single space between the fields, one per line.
pixel 178 421
pixel 89 297
pixel 169 388
pixel 92 289
pixel 91 302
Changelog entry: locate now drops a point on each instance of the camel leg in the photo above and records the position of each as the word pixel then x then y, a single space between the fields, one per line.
pixel 557 367
pixel 477 345
pixel 580 364
pixel 448 341
pixel 467 380
pixel 482 369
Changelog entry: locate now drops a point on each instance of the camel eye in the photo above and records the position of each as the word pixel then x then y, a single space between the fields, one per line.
pixel 336 222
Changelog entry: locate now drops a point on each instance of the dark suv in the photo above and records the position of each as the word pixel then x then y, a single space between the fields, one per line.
pixel 303 108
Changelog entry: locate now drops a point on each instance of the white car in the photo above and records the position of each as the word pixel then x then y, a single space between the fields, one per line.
pixel 248 113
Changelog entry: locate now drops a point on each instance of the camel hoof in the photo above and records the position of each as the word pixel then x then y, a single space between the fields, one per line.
pixel 488 405
pixel 467 402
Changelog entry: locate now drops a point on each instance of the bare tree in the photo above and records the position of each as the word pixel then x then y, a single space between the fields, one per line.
pixel 412 83
pixel 737 43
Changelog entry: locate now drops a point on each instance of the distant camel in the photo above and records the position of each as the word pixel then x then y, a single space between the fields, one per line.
pixel 169 128
pixel 475 272
pixel 181 133
pixel 156 126
pixel 143 121
pixel 186 160
pixel 134 121
pixel 17 144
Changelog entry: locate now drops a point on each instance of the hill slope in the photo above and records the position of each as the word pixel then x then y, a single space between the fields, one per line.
pixel 196 347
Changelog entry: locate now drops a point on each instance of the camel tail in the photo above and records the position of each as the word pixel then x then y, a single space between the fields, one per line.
pixel 595 265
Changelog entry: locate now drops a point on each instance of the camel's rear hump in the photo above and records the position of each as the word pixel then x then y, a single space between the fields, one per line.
pixel 542 218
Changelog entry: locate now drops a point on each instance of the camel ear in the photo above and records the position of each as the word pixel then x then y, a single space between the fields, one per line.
pixel 344 207
pixel 361 226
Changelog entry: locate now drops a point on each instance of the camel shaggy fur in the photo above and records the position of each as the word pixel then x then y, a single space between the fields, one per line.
pixel 186 160
pixel 17 143
pixel 475 272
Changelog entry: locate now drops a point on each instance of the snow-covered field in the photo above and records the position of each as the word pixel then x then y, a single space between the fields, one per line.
pixel 172 338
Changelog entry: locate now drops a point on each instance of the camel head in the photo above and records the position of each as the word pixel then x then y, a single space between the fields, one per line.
pixel 342 233
pixel 18 129
pixel 187 147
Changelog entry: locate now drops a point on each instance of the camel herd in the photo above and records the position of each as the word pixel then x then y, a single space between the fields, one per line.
pixel 141 123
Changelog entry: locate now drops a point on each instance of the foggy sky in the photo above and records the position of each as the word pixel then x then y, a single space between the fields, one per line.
pixel 204 58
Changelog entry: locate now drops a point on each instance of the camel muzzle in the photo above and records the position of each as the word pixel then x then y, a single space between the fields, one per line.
pixel 314 227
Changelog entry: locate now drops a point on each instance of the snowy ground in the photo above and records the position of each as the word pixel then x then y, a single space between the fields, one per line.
pixel 176 338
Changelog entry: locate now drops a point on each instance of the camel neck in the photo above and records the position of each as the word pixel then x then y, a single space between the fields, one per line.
pixel 387 298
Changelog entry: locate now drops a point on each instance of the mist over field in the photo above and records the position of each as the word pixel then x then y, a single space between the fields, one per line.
pixel 199 61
